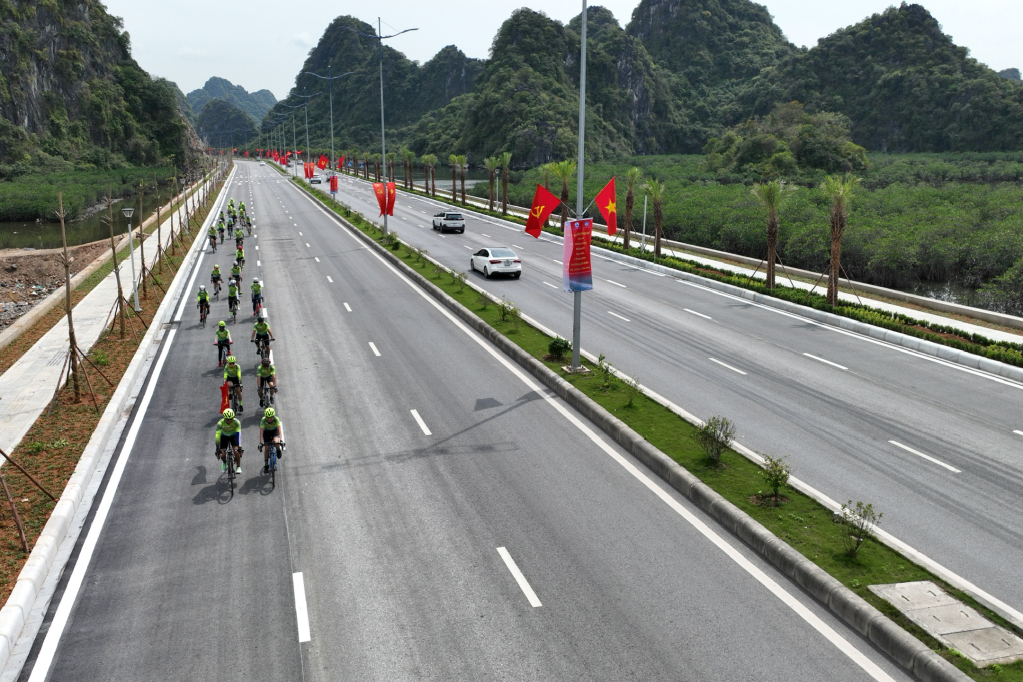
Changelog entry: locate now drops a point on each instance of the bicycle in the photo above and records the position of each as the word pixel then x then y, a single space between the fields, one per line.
pixel 262 348
pixel 234 396
pixel 213 244
pixel 222 353
pixel 216 289
pixel 234 312
pixel 229 460
pixel 204 311
pixel 248 226
pixel 266 394
pixel 271 460
pixel 257 306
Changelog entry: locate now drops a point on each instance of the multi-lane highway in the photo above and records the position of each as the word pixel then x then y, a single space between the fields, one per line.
pixel 437 516
pixel 937 447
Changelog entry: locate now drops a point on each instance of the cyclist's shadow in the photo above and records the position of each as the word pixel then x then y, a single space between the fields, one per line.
pixel 219 491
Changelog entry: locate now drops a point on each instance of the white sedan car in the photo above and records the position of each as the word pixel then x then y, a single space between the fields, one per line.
pixel 499 260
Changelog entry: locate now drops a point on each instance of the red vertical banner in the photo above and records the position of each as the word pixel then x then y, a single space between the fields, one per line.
pixel 333 184
pixel 392 192
pixel 341 162
pixel 246 153
pixel 577 271
pixel 225 401
pixel 381 192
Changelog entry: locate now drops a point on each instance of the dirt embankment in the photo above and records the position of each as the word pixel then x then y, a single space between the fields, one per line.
pixel 29 276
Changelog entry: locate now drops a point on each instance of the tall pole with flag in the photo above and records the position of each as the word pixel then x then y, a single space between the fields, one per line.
pixel 383 139
pixel 577 310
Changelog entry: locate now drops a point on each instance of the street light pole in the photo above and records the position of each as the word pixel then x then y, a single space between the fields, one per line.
pixel 383 137
pixel 330 87
pixel 578 302
pixel 131 252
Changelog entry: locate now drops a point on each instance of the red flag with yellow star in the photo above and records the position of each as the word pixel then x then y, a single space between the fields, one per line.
pixel 608 207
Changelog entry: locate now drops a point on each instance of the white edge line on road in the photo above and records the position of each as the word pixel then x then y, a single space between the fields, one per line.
pixel 927 457
pixel 422 424
pixel 772 586
pixel 826 362
pixel 734 369
pixel 534 601
pixel 693 312
pixel 1018 432
pixel 619 316
pixel 611 281
pixel 301 609
pixel 550 285
pixel 348 307
pixel 329 279
pixel 373 347
pixel 41 668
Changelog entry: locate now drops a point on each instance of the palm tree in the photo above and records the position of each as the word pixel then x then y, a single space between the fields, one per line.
pixel 546 175
pixel 410 160
pixel 353 155
pixel 631 178
pixel 463 163
pixel 656 191
pixel 506 158
pixel 492 163
pixel 378 167
pixel 391 157
pixel 564 172
pixel 453 160
pixel 429 162
pixel 839 190
pixel 366 158
pixel 771 194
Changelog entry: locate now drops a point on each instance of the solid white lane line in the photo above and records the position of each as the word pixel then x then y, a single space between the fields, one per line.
pixel 550 285
pixel 60 618
pixel 329 279
pixel 619 316
pixel 422 424
pixel 519 578
pixel 373 347
pixel 316 259
pixel 707 317
pixel 726 365
pixel 301 609
pixel 609 281
pixel 1019 432
pixel 927 457
pixel 826 362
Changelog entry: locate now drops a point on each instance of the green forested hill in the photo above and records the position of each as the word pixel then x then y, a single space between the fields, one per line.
pixel 71 94
pixel 679 75
pixel 904 85
pixel 255 104
pixel 222 124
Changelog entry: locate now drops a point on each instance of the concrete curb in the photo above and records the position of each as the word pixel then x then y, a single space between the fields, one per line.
pixel 909 652
pixel 39 310
pixel 19 605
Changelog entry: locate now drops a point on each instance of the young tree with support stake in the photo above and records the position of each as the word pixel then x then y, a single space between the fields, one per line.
pixel 772 196
pixel 564 171
pixel 463 163
pixel 505 158
pixel 491 163
pixel 632 177
pixel 656 192
pixel 839 190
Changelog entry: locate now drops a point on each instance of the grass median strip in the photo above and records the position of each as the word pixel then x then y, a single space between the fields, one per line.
pixel 797 519
pixel 52 447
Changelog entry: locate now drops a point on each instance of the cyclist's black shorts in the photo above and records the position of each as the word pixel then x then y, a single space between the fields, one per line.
pixel 234 439
pixel 234 381
pixel 231 300
pixel 270 434
pixel 262 337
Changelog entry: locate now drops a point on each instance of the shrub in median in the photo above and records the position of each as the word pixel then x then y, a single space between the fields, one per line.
pixel 715 436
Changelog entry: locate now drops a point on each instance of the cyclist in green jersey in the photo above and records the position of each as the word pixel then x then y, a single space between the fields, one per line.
pixel 232 294
pixel 211 237
pixel 229 432
pixel 239 237
pixel 273 432
pixel 203 299
pixel 216 279
pixel 223 340
pixel 257 295
pixel 233 376
pixel 239 255
pixel 261 332
pixel 236 272
pixel 265 374
pixel 220 230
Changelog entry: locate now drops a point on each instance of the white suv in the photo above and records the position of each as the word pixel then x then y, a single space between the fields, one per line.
pixel 449 221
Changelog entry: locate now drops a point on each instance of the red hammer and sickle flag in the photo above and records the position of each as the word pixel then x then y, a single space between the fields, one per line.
pixel 391 194
pixel 322 162
pixel 608 207
pixel 381 192
pixel 225 401
pixel 544 204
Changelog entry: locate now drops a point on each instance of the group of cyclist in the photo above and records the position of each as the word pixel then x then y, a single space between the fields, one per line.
pixel 236 219
pixel 229 427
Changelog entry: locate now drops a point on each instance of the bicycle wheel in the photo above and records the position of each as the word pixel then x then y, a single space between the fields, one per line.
pixel 273 466
pixel 229 459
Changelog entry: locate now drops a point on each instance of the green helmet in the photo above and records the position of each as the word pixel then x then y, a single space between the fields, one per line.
pixel 222 324
pixel 270 413
pixel 229 413
pixel 231 359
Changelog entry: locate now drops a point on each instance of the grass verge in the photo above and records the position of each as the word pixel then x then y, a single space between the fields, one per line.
pixel 52 447
pixel 800 521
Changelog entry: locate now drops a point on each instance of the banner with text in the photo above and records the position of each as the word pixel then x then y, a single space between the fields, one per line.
pixel 578 273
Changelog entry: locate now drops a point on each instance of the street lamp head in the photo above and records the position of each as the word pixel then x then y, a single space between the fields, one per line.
pixel 127 211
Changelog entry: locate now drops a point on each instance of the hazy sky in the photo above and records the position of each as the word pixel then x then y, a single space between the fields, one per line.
pixel 263 43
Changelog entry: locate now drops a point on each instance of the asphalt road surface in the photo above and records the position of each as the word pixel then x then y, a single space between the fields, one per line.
pixel 936 446
pixel 437 516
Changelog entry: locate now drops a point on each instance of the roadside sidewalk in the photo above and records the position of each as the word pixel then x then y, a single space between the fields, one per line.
pixel 27 387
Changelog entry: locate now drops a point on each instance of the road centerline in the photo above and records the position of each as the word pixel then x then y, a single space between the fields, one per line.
pixel 618 316
pixel 422 424
pixel 373 347
pixel 723 364
pixel 826 362
pixel 927 457
pixel 301 608
pixel 513 568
